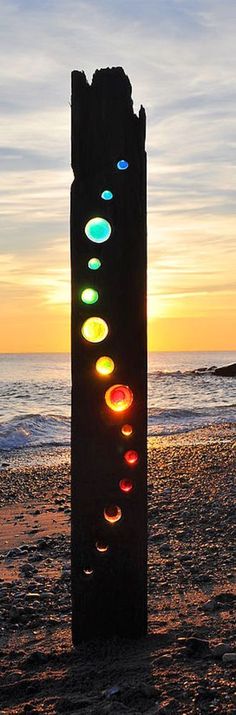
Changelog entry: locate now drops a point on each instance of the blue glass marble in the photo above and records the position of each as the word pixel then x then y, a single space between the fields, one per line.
pixel 122 164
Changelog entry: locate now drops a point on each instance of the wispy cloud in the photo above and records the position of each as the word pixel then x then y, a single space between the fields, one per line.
pixel 180 57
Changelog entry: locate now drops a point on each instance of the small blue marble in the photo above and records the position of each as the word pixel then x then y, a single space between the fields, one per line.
pixel 122 164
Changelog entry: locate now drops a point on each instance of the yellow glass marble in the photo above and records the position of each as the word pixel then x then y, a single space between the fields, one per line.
pixel 105 365
pixel 94 330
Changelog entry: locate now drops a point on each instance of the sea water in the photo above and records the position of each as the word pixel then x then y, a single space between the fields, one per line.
pixel 183 394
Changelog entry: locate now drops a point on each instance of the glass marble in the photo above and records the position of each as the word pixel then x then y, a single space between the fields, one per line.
pixel 105 365
pixel 98 229
pixel 101 547
pixel 89 296
pixel 127 430
pixel 107 195
pixel 131 457
pixel 119 398
pixel 94 264
pixel 112 514
pixel 94 330
pixel 126 485
pixel 122 164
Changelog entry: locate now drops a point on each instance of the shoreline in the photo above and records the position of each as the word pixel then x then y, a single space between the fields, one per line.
pixel 53 455
pixel 181 667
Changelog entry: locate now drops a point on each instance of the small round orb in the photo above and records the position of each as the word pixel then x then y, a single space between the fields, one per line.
pixel 105 365
pixel 131 457
pixel 119 398
pixel 122 164
pixel 101 547
pixel 127 430
pixel 89 296
pixel 94 264
pixel 126 485
pixel 88 571
pixel 98 229
pixel 107 195
pixel 112 514
pixel 94 330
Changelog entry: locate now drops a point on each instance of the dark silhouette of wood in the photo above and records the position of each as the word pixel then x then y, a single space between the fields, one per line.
pixel 113 600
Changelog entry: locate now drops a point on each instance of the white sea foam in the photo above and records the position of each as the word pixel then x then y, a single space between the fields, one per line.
pixel 183 394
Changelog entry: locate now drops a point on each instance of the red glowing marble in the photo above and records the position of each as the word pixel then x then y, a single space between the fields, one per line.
pixel 131 457
pixel 126 485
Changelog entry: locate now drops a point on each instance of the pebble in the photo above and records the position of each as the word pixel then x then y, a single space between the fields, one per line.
pixel 36 658
pixel 186 686
pixel 229 658
pixel 164 659
pixel 197 646
pixel 13 553
pixel 209 606
pixel 28 569
pixel 167 707
pixel 220 649
pixel 164 547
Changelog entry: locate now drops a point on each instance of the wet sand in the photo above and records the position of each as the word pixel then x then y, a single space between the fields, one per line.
pixel 185 665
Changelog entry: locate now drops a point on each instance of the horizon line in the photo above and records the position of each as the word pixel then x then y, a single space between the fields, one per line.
pixel 68 352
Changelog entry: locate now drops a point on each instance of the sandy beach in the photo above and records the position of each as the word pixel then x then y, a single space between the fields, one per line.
pixel 185 665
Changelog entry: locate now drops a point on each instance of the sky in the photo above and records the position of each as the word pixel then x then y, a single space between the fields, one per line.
pixel 181 60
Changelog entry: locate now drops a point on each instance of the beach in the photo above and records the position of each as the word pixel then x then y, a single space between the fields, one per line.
pixel 185 664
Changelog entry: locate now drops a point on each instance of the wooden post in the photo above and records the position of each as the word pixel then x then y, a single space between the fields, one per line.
pixel 108 557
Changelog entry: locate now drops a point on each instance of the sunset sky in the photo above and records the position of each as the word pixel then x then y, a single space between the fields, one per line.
pixel 180 58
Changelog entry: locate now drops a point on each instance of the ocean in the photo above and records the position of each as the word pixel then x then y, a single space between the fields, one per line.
pixel 182 395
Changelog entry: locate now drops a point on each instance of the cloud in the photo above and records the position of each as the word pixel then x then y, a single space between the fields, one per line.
pixel 180 58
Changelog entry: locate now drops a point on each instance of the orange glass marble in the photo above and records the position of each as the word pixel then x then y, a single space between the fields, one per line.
pixel 127 430
pixel 112 514
pixel 119 398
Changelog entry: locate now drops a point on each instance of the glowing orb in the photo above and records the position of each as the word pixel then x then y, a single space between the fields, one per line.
pixel 101 547
pixel 88 572
pixel 122 164
pixel 119 398
pixel 131 457
pixel 94 264
pixel 105 365
pixel 112 514
pixel 98 229
pixel 94 330
pixel 127 430
pixel 126 485
pixel 107 195
pixel 89 296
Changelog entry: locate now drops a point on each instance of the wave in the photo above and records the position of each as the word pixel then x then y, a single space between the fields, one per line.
pixel 176 421
pixel 33 430
pixel 39 430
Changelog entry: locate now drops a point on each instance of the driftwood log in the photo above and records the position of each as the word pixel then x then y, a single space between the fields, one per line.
pixel 109 590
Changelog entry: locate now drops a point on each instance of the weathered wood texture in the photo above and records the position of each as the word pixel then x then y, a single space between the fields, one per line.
pixel 104 130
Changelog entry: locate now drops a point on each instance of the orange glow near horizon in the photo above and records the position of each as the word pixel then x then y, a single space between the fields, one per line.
pixel 183 312
pixel 30 331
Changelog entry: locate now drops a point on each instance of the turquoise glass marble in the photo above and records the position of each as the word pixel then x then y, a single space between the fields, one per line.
pixel 94 264
pixel 107 195
pixel 98 229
